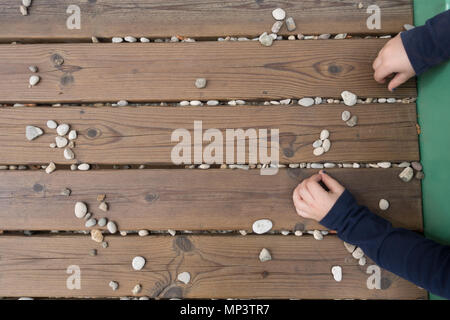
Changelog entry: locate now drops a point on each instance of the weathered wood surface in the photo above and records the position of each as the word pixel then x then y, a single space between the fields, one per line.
pixel 167 71
pixel 385 132
pixel 220 267
pixel 211 18
pixel 184 199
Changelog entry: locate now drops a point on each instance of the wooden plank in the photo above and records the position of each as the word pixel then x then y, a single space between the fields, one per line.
pixel 385 132
pixel 181 199
pixel 167 71
pixel 220 267
pixel 162 18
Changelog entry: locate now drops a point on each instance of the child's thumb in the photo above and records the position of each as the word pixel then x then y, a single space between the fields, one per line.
pixel 331 183
pixel 399 79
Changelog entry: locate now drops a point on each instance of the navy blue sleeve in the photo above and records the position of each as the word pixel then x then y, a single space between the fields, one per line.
pixel 400 251
pixel 428 45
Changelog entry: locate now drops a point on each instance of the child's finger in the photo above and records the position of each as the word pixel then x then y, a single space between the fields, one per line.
pixel 331 183
pixel 299 204
pixel 399 79
pixel 304 193
pixel 316 190
pixel 381 73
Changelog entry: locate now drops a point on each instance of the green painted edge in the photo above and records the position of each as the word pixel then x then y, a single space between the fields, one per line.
pixel 433 108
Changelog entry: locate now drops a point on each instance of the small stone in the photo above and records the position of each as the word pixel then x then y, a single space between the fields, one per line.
pixel 325 36
pixel 318 100
pixel 212 102
pixel 103 206
pixel 340 36
pixel 295 165
pixel 72 135
pixel 105 244
pixel 184 103
pixel 391 100
pixel 358 253
pixel 50 168
pixel 61 142
pixel 384 165
pixel 26 3
pixel 112 227
pixel 171 232
pixel 62 129
pixel 416 166
pixel 65 192
pixel 382 100
pixel 356 165
pixel 329 165
pixel 337 273
pixel 195 103
pixel 33 69
pixel 23 10
pixel 97 235
pixel 51 124
pixel 144 40
pixel 285 232
pixel 318 151
pixel 324 134
pixel 346 115
pixel 360 5
pixel 350 247
pixel 52 145
pixel 101 197
pixel 32 132
pixel 317 143
pixel 130 39
pixel 420 175
pixel 143 233
pixel 352 122
pixel 137 289
pixel 90 223
pixel 362 261
pixel 306 102
pixel 102 222
pixel 84 167
pixel 407 174
pixel 290 24
pixel 200 83
pixel 184 277
pixel 349 98
pixel 317 235
pixel 73 167
pixel 262 226
pixel 326 145
pixel 71 144
pixel 265 255
pixel 383 204
pixel 316 165
pixel 138 263
pixel 93 252
pixel 265 39
pixel 408 27
pixel 94 39
pixel 117 40
pixel 123 233
pixel 298 233
pixel 204 166
pixel 122 103
pixel 68 154
pixel 114 285
pixel 285 101
pixel 279 14
pixel 87 216
pixel 404 164
pixel 277 26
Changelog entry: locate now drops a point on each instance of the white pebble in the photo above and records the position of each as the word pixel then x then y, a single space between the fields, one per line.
pixel 144 39
pixel 362 261
pixel 384 165
pixel 262 226
pixel 279 14
pixel 114 285
pixel 171 232
pixel 184 277
pixel 407 174
pixel 130 39
pixel 122 103
pixel 265 39
pixel 306 102
pixel 62 129
pixel 117 40
pixel 212 102
pixel 80 210
pixel 326 145
pixel 34 80
pixel 51 124
pixel 50 168
pixel 112 227
pixel 337 273
pixel 317 235
pixel 346 115
pixel 383 204
pixel 195 103
pixel 349 98
pixel 143 233
pixel 204 166
pixel 317 143
pixel 290 24
pixel 84 167
pixel 32 132
pixel 265 255
pixel 298 233
pixel 329 165
pixel 200 83
pixel 137 289
pixel 277 26
pixel 61 142
pixel 72 135
pixel 358 253
pixel 318 151
pixel 324 134
pixel 90 223
pixel 68 154
pixel 138 263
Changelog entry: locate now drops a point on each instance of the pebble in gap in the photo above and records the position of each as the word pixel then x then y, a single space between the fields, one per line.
pixel 102 222
pixel 285 232
pixel 383 204
pixel 90 223
pixel 279 14
pixel 144 39
pixel 138 263
pixel 212 102
pixel 184 277
pixel 143 233
pixel 80 210
pixel 352 122
pixel 416 166
pixel 407 174
pixel 285 101
pixel 116 40
pixel 203 166
pixel 68 154
pixel 262 226
pixel 346 115
pixel 358 253
pixel 122 103
pixel 337 273
pixel 298 233
pixel 137 289
pixel 350 247
pixel 130 39
pixel 340 36
pixel 317 235
pixel 384 165
pixel 200 83
pixel 172 232
pixel 290 24
pixel 325 36
pixel 265 39
pixel 51 124
pixel 32 132
pixel 420 175
pixel 103 206
pixel 97 235
pixel 61 142
pixel 404 164
pixel 265 255
pixel 114 285
pixel 62 129
pixel 112 227
pixel 84 167
pixel 349 98
pixel 50 168
pixel 195 103
pixel 306 102
pixel 277 26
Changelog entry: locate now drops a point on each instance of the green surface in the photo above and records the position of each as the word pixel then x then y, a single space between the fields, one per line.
pixel 433 107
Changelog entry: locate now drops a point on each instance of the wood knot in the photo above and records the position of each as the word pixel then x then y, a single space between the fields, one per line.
pixel 183 243
pixel 93 133
pixel 57 60
pixel 151 197
pixel 38 187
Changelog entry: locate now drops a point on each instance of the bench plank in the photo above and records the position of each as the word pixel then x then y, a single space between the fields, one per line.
pixel 136 135
pixel 220 267
pixel 210 18
pixel 181 199
pixel 167 71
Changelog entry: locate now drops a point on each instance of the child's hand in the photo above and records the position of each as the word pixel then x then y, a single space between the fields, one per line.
pixel 392 59
pixel 312 201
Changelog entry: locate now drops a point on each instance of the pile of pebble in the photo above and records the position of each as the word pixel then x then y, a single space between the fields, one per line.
pixel 279 15
pixel 323 144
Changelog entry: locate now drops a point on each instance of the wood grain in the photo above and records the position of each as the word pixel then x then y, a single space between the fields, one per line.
pixel 210 18
pixel 181 199
pixel 385 132
pixel 220 267
pixel 167 71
